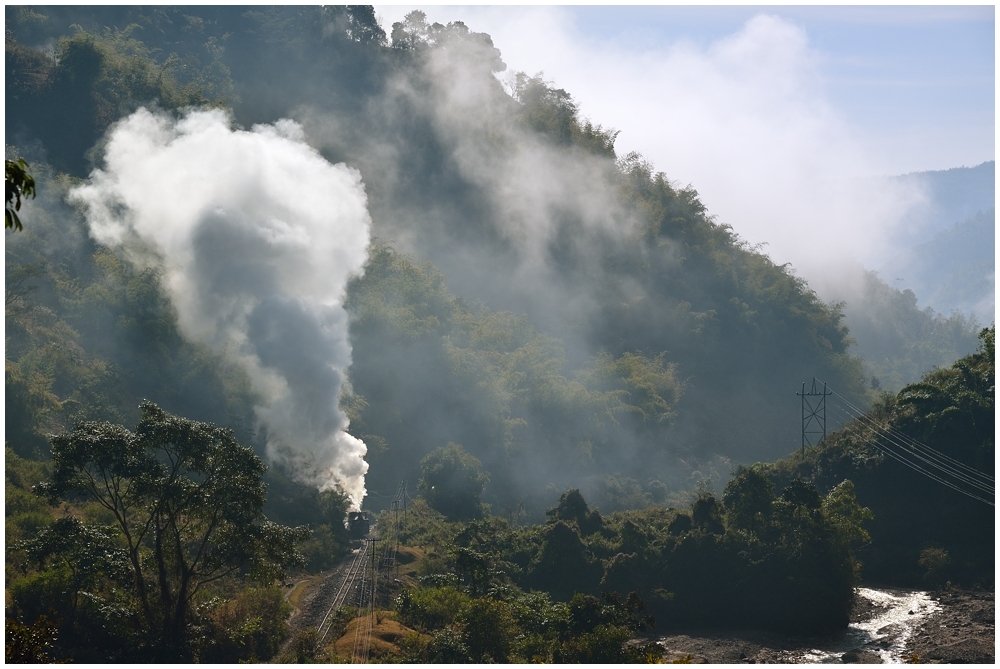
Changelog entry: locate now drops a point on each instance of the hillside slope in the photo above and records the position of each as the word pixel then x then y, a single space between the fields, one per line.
pixel 581 316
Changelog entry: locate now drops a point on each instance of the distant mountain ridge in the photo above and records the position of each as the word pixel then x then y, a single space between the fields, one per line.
pixel 953 195
pixel 955 269
pixel 923 305
pixel 946 252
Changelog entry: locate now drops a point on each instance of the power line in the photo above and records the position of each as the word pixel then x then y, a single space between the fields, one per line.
pixel 920 445
pixel 895 456
pixel 902 460
pixel 930 452
pixel 943 468
pixel 934 458
pixel 389 536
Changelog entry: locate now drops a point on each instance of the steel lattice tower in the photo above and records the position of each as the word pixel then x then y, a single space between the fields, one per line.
pixel 813 414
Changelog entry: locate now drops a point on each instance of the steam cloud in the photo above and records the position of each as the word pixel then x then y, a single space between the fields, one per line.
pixel 258 235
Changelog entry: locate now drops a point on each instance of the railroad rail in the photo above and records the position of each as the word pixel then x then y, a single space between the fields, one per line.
pixel 356 569
pixel 366 602
pixel 363 577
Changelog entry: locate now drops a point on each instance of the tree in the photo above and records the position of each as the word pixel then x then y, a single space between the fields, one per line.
pixel 29 644
pixel 487 630
pixel 411 32
pixel 18 183
pixel 572 507
pixel 842 509
pixel 87 553
pixel 452 481
pixel 800 493
pixel 562 565
pixel 364 26
pixel 472 568
pixel 706 513
pixel 748 498
pixel 599 629
pixel 186 498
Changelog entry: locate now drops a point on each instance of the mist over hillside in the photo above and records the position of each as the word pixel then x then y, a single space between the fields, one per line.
pixel 921 305
pixel 949 196
pixel 943 249
pixel 954 270
pixel 284 261
pixel 898 339
pixel 569 315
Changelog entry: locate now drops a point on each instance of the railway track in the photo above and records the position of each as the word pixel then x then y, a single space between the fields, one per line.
pixel 357 576
pixel 355 570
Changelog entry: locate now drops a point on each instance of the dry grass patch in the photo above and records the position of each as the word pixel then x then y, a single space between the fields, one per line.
pixel 294 596
pixel 386 636
pixel 409 559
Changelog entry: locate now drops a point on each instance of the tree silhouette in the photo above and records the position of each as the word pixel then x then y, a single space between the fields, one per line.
pixel 748 498
pixel 18 183
pixel 186 498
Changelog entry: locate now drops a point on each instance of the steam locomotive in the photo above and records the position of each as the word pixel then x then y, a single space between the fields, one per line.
pixel 358 524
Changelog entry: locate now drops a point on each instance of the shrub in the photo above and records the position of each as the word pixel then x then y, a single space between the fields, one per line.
pixel 248 628
pixel 487 629
pixel 430 608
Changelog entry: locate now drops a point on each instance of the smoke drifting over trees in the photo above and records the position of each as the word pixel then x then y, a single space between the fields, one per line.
pixel 257 236
pixel 570 316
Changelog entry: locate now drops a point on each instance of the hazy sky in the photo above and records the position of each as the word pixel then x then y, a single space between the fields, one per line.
pixel 757 106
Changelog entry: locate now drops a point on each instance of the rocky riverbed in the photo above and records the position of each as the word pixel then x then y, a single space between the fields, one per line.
pixel 961 631
pixel 886 626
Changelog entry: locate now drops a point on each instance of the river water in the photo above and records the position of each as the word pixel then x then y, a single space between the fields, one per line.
pixel 892 619
pixel 899 613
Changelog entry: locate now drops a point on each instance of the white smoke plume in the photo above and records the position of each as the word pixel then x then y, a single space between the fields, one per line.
pixel 258 235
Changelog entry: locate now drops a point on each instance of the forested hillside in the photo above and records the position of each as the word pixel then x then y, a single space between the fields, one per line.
pixel 534 314
pixel 582 314
pixel 923 460
pixel 897 339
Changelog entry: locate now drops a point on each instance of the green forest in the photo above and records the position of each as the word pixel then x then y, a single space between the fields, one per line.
pixel 586 379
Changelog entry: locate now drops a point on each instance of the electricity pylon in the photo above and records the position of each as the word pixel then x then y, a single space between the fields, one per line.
pixel 813 414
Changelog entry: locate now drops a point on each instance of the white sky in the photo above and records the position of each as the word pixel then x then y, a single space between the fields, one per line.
pixel 769 111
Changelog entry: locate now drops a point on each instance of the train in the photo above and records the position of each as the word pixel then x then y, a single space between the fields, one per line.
pixel 358 524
